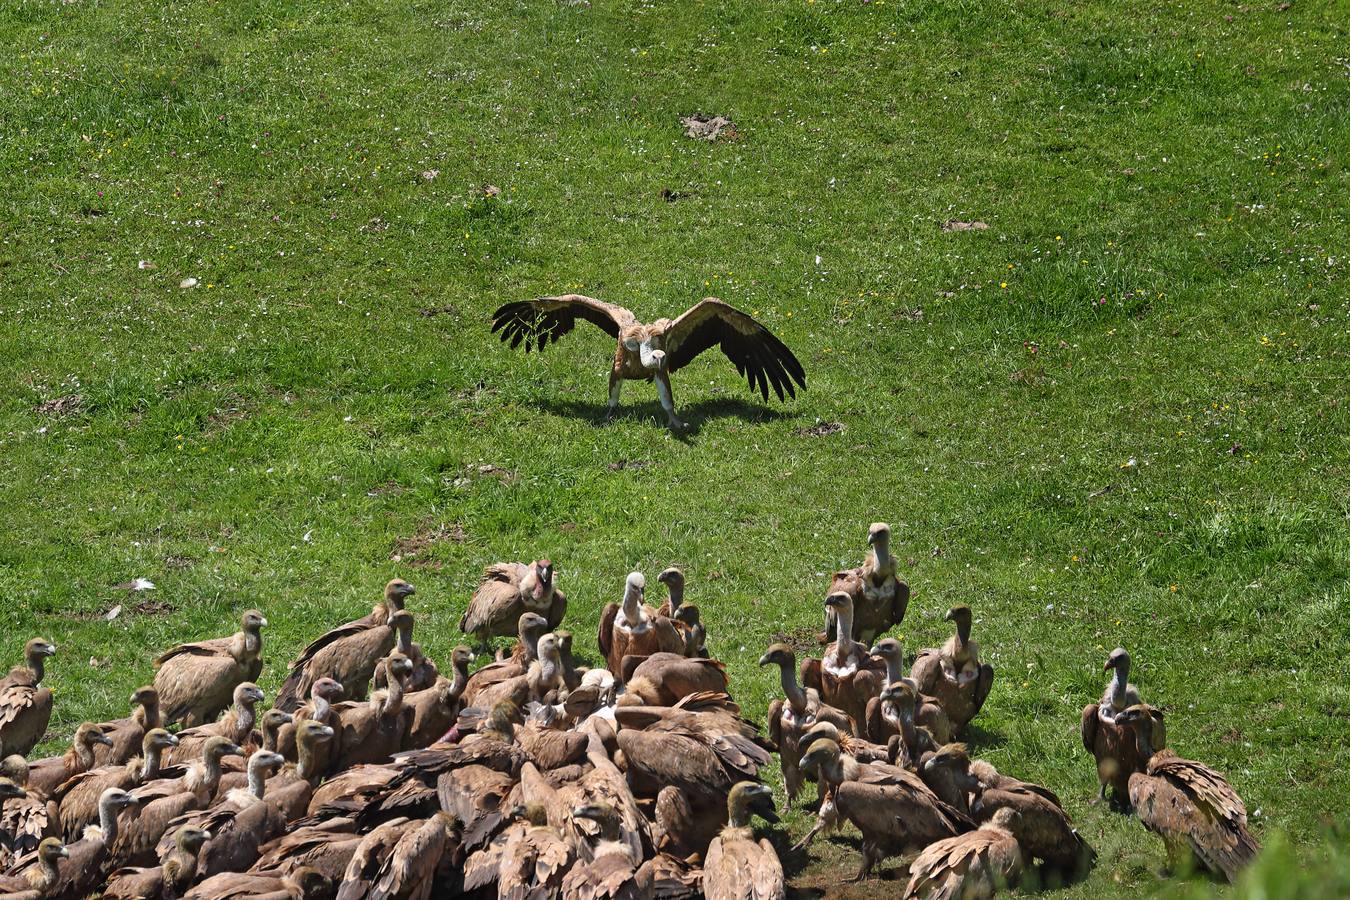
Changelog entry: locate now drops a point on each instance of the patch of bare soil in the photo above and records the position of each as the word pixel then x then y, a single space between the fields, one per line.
pixel 821 430
pixel 709 128
pixel 414 550
pixel 68 405
pixel 955 225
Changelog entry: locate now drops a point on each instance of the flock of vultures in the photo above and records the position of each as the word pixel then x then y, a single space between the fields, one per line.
pixel 375 774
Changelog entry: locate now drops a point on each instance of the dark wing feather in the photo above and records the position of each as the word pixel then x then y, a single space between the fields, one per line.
pixel 537 322
pixel 761 358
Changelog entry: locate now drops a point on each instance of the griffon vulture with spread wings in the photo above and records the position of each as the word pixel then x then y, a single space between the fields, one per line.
pixel 652 352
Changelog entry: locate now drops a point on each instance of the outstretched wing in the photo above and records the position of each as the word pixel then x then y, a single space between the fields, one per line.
pixel 761 358
pixel 536 322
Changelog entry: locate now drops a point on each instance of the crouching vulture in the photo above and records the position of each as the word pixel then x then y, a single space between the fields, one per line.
pixel 928 712
pixel 195 682
pixel 1190 806
pixel 126 734
pixel 348 653
pixel 171 878
pixel 954 675
pixel 973 866
pixel 652 352
pixel 39 880
pixel 613 872
pixel 26 706
pixel 880 598
pixel 737 868
pixel 507 590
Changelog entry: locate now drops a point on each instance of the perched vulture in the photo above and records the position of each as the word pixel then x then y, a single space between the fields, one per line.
pixel 46 775
pixel 127 734
pixel 89 857
pixel 928 712
pixel 947 773
pixel 78 799
pixel 634 628
pixel 892 808
pixel 300 883
pixel 349 653
pixel 26 706
pixel 40 879
pixel 1044 829
pixel 663 679
pixel 530 627
pixel 789 718
pixel 371 731
pixel 505 591
pixel 527 859
pixel 880 598
pixel 908 742
pixel 1112 744
pixel 171 878
pixel 1190 806
pixel 613 872
pixel 434 709
pixel 195 682
pixel 972 866
pixel 673 579
pixel 323 695
pixel 237 725
pixel 652 352
pixel 954 675
pixel 846 676
pixel 736 867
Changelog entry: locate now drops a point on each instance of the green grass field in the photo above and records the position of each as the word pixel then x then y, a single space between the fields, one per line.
pixel 1163 278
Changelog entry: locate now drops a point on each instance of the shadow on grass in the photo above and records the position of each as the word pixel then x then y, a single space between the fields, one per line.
pixel 976 738
pixel 695 415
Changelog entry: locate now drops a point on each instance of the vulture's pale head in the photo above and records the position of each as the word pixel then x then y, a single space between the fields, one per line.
pixel 274 718
pixel 821 754
pixel 248 694
pixel 461 657
pixel 548 647
pixel 158 739
pixel 190 838
pixel 954 757
pixel 671 576
pixel 397 591
pixel 39 647
pixel 265 761
pixel 399 665
pixel 145 696
pixel 311 732
pixel 688 614
pixel 878 533
pixel 531 623
pixel 779 655
pixel 749 797
pixel 839 601
pixel 253 621
pixel 329 689
pixel 51 849
pixel 898 692
pixel 960 614
pixel 218 747
pixel 118 799
pixel 89 734
pixel 887 648
pixel 635 584
pixel 543 568
pixel 1118 659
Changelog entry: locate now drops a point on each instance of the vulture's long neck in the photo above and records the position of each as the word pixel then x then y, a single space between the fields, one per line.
pixel 460 681
pixel 550 669
pixel 150 765
pixel 321 708
pixel 1120 679
pixel 632 609
pixel 257 779
pixel 271 731
pixel 530 641
pixel 884 564
pixel 403 642
pixel 252 643
pixel 962 632
pixel 210 773
pixel 107 821
pixel 738 816
pixel 1143 738
pixel 245 717
pixel 844 638
pixel 47 874
pixel 796 697
pixel 147 715
pixel 37 664
pixel 304 764
pixel 393 703
pixel 84 754
pixel 895 667
pixel 676 597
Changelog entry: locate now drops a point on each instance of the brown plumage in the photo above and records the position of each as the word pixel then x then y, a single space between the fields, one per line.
pixel 663 679
pixel 507 590
pixel 954 675
pixel 372 731
pixel 326 846
pixel 435 708
pixel 162 801
pixel 24 819
pixel 423 674
pixel 196 682
pixel 236 725
pixel 894 715
pixel 41 879
pixel 736 867
pixel 928 712
pixel 26 706
pixel 652 352
pixel 632 628
pixel 127 734
pixel 895 811
pixel 324 693
pixel 613 871
pixel 78 798
pixel 45 775
pixel 530 627
pixel 301 883
pixel 673 579
pixel 946 771
pixel 790 717
pixel 1190 806
pixel 348 653
pixel 971 866
pixel 879 597
pixel 1044 829
pixel 528 859
pixel 170 879
pixel 399 859
pixel 1112 744
pixel 846 676
pixel 90 857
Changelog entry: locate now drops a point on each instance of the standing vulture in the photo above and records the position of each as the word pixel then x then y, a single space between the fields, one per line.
pixel 927 711
pixel 196 682
pixel 127 734
pixel 846 676
pixel 737 868
pixel 790 717
pixel 954 675
pixel 25 706
pixel 1111 742
pixel 348 653
pixel 652 352
pixel 507 590
pixel 1189 805
pixel 880 598
pixel 634 628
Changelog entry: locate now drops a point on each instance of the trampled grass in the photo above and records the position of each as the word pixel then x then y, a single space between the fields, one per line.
pixel 1162 279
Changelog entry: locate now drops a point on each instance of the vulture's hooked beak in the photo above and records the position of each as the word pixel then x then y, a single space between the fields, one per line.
pixel 651 359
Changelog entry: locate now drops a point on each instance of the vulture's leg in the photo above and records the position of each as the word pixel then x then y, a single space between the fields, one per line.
pixel 667 400
pixel 615 382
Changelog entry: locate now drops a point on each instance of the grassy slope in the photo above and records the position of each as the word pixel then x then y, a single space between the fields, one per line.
pixel 267 437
